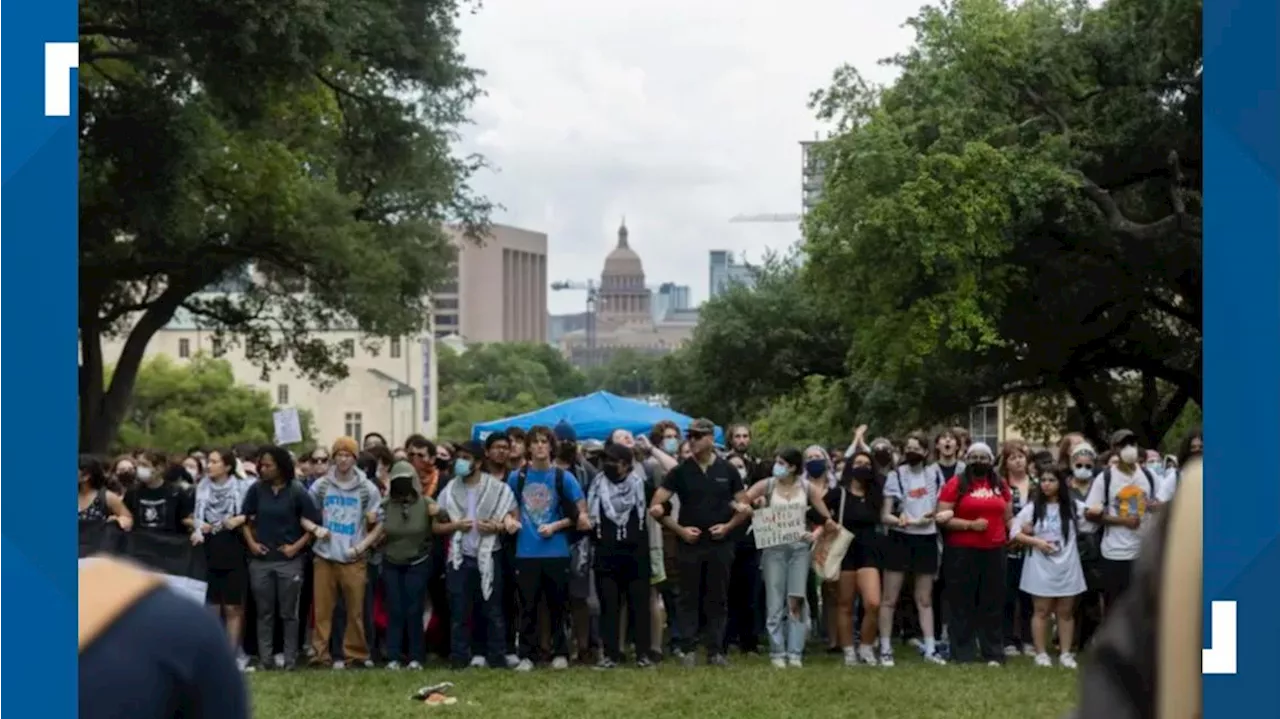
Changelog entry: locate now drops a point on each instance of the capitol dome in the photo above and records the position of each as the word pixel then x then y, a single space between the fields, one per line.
pixel 623 261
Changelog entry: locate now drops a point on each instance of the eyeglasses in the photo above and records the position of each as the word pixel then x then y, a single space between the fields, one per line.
pixel 321 460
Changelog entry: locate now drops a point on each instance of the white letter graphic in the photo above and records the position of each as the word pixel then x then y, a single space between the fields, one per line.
pixel 59 58
pixel 1220 657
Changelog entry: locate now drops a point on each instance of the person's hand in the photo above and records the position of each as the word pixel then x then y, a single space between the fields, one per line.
pixel 584 522
pixel 719 530
pixel 657 512
pixel 690 535
pixel 207 528
pixel 860 432
pixel 831 526
pixel 234 522
pixel 923 521
pixel 643 444
pixel 466 525
pixel 289 552
pixel 1132 522
pixel 978 525
pixel 354 551
pixel 257 549
pixel 511 525
pixel 197 539
pixel 815 535
pixel 545 531
pixel 1044 545
pixel 1094 513
pixel 904 521
pixel 321 533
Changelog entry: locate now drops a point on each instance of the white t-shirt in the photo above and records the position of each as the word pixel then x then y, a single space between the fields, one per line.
pixel 915 492
pixel 1129 496
pixel 1166 485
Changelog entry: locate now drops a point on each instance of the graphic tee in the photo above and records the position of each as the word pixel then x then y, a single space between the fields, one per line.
pixel 539 505
pixel 981 502
pixel 1130 494
pixel 160 508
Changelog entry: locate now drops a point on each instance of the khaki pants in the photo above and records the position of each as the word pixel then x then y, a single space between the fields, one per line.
pixel 349 579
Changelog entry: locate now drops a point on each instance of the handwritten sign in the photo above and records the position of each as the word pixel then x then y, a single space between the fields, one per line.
pixel 288 425
pixel 774 526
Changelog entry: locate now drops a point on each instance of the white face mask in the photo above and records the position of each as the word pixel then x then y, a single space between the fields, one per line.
pixel 1129 455
pixel 1083 473
pixel 144 474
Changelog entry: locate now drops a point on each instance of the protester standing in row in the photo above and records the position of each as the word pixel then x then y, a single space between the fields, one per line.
pixel 407 518
pixel 95 502
pixel 219 500
pixel 858 501
pixel 1014 467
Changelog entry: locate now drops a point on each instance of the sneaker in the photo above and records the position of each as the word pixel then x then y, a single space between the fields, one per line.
pixel 643 663
pixel 479 663
pixel 795 663
pixel 689 660
pixel 393 666
pixel 524 666
pixel 512 661
pixel 1028 651
pixel 718 660
pixel 279 658
pixel 339 665
pixel 779 662
pixel 1043 660
pixel 1067 660
pixel 867 655
pixel 606 663
pixel 886 658
pixel 917 643
pixel 560 663
pixel 366 664
pixel 994 663
pixel 1012 651
pixel 850 657
pixel 242 663
pixel 935 658
pixel 415 666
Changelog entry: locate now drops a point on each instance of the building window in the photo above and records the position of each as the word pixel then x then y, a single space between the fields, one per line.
pixel 395 348
pixel 348 348
pixel 282 394
pixel 216 344
pixel 184 348
pixel 353 425
pixel 984 424
pixel 446 320
pixel 448 303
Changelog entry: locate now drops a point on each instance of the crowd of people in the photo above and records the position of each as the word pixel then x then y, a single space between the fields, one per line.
pixel 531 548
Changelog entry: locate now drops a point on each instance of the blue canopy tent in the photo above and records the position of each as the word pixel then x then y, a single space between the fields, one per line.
pixel 592 416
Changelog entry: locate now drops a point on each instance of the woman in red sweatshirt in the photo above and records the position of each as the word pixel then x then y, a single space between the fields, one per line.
pixel 977 507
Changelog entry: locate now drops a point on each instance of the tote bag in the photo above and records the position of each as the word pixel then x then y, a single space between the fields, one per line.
pixel 828 556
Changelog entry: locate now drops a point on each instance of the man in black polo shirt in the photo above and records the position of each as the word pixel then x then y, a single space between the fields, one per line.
pixel 712 503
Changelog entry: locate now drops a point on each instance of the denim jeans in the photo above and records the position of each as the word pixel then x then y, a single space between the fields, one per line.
pixel 786 575
pixel 468 608
pixel 405 590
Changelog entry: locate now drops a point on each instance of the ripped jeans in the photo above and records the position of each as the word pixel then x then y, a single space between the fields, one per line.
pixel 785 570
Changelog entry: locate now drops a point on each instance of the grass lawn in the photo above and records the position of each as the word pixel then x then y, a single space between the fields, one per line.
pixel 750 688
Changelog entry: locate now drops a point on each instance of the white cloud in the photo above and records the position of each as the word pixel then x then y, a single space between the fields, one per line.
pixel 678 115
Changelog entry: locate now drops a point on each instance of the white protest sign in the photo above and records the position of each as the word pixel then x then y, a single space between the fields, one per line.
pixel 774 526
pixel 288 425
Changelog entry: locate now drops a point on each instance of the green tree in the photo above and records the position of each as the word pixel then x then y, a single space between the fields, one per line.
pixel 1020 211
pixel 816 413
pixel 628 372
pixel 198 403
pixel 492 381
pixel 310 142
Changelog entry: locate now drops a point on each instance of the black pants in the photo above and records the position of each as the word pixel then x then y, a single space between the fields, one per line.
pixel 1017 605
pixel 744 578
pixel 543 580
pixel 975 589
pixel 624 579
pixel 704 592
pixel 1116 577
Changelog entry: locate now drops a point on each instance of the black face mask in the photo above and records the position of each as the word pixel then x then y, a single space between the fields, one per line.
pixel 883 457
pixel 863 474
pixel 914 458
pixel 980 469
pixel 614 473
pixel 443 464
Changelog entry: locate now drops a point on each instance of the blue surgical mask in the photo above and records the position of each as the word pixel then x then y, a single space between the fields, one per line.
pixel 461 467
pixel 815 467
pixel 780 470
pixel 1156 468
pixel 670 445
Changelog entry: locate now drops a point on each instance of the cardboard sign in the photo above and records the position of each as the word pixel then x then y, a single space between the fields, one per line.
pixel 288 425
pixel 775 526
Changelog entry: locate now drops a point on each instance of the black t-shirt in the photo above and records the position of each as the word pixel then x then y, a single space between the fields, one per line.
pixel 162 508
pixel 705 496
pixel 275 514
pixel 860 517
pixel 127 674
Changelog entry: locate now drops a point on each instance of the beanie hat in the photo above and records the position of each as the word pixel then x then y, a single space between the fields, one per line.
pixel 345 444
pixel 565 432
pixel 980 448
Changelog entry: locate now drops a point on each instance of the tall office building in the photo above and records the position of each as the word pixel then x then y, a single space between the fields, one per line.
pixel 500 294
pixel 668 300
pixel 813 170
pixel 726 272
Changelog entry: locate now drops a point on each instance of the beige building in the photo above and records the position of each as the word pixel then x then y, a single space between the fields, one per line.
pixel 624 318
pixel 392 392
pixel 500 293
pixel 993 423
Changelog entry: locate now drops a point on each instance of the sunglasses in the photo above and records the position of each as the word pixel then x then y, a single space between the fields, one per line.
pixel 321 460
pixel 1083 466
pixel 695 435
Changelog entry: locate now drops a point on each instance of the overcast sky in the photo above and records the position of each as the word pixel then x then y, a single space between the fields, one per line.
pixel 677 114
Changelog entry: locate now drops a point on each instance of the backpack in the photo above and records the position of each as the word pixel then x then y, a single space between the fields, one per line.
pixel 568 508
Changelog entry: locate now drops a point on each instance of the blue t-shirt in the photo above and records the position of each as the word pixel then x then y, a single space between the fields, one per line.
pixel 539 505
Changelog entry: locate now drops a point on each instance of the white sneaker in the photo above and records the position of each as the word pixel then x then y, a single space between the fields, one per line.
pixel 1028 651
pixel 1012 651
pixel 279 659
pixel 415 665
pixel 480 663
pixel 867 656
pixel 1067 660
pixel 512 661
pixel 524 666
pixel 1043 660
pixel 393 666
pixel 778 663
pixel 339 665
pixel 560 663
pixel 935 658
pixel 994 663
pixel 368 664
pixel 242 663
pixel 850 657
pixel 886 657
pixel 795 663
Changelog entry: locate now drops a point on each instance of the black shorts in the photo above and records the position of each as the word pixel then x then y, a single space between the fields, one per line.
pixel 863 554
pixel 911 553
pixel 226 587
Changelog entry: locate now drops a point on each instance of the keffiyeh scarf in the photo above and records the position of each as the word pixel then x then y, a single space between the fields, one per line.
pixel 494 501
pixel 615 500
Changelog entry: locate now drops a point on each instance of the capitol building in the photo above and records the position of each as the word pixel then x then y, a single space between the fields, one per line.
pixel 624 316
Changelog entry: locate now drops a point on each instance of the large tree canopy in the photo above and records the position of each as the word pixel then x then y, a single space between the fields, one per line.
pixel 309 141
pixel 1020 210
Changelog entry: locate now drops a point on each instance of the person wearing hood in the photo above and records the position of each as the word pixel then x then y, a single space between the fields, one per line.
pixel 350 504
pixel 407 518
